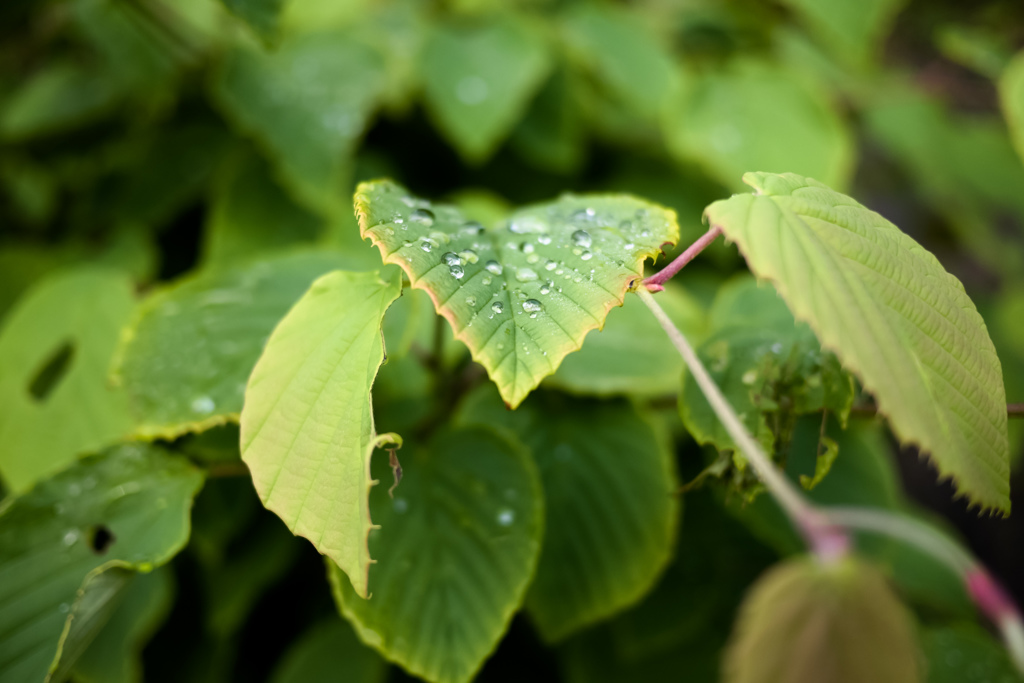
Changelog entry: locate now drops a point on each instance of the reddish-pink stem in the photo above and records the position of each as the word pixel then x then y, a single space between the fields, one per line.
pixel 655 283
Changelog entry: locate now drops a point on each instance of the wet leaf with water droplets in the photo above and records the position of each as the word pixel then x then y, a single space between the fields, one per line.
pixel 456 550
pixel 581 285
pixel 47 538
pixel 307 429
pixel 188 352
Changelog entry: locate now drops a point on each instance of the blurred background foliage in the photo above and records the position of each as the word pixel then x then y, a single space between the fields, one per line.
pixel 155 138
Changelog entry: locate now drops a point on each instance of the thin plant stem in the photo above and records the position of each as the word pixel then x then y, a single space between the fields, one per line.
pixel 827 529
pixel 655 283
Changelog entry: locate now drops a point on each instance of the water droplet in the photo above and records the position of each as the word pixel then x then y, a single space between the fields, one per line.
pixel 527 247
pixel 586 255
pixel 471 90
pixel 401 505
pixel 450 258
pixel 497 307
pixel 533 258
pixel 546 287
pixel 494 267
pixel 544 238
pixel 581 238
pixel 64 608
pixel 550 265
pixel 471 301
pixel 469 256
pixel 486 281
pixel 629 246
pixel 626 225
pixel 645 233
pixel 203 405
pixel 749 377
pixel 532 306
pixel 456 272
pixel 422 216
pixel 426 245
pixel 71 537
pixel 506 516
pixel 472 228
pixel 522 225
pixel 583 215
pixel 526 274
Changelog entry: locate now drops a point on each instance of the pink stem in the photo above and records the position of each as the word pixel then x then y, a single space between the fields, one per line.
pixel 655 282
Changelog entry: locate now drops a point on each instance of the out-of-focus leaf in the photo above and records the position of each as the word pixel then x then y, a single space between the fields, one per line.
pixel 307 426
pixel 185 357
pixel 57 98
pixel 328 652
pixel 965 653
pixel 1005 318
pixel 31 190
pixel 479 77
pixel 522 295
pixel 853 29
pixel 126 508
pixel 631 354
pixel 806 621
pixel 261 15
pixel 250 214
pixel 55 348
pixel 455 553
pixel 115 654
pixel 975 48
pixel 1011 97
pixel 624 55
pixel 98 598
pixel 306 104
pixel 892 315
pixel 963 166
pixel 609 489
pixel 551 133
pixel 751 115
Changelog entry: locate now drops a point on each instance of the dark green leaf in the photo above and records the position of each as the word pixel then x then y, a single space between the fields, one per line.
pixel 329 652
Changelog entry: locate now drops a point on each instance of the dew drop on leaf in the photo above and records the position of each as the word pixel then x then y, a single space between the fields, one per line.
pixel 451 259
pixel 497 307
pixel 422 216
pixel 493 267
pixel 203 405
pixel 581 238
pixel 532 306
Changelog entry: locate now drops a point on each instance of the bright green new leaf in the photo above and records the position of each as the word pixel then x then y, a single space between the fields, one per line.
pixel 1011 97
pixel 853 29
pixel 329 652
pixel 478 79
pixel 306 104
pixel 966 653
pixel 631 355
pixel 753 115
pixel 457 548
pixel 806 621
pixel 115 656
pixel 187 354
pixel 524 294
pixel 126 508
pixel 626 57
pixel 307 425
pixel 892 315
pixel 262 16
pixel 251 214
pixel 59 97
pixel 610 496
pixel 55 348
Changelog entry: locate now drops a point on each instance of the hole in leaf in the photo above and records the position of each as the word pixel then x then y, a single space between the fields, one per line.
pixel 52 372
pixel 100 539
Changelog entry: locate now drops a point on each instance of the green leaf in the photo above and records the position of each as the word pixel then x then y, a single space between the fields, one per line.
pixel 891 314
pixel 754 115
pixel 771 370
pixel 806 621
pixel 126 508
pixel 962 653
pixel 188 352
pixel 262 16
pixel 55 348
pixel 250 213
pixel 479 77
pixel 307 426
pixel 1011 97
pixel 610 497
pixel 57 98
pixel 457 548
pixel 98 598
pixel 625 55
pixel 306 104
pixel 115 656
pixel 328 652
pixel 631 355
pixel 853 30
pixel 551 134
pixel 522 295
